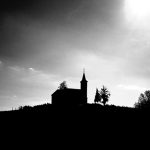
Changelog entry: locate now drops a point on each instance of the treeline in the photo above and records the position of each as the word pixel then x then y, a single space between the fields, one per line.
pixel 88 107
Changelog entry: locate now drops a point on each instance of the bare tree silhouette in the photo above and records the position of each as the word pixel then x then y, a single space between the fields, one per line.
pixel 143 100
pixel 63 85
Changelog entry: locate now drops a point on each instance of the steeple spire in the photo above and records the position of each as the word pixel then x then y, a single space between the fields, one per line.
pixel 83 77
pixel 84 87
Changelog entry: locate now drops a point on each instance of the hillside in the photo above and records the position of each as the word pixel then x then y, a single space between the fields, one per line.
pixel 82 108
pixel 88 110
pixel 90 118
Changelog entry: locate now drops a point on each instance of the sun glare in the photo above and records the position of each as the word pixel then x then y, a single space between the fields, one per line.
pixel 138 9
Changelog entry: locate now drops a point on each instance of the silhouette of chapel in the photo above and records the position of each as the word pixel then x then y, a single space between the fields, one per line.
pixel 70 96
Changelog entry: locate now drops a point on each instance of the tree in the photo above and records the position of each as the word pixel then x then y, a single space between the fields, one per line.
pixel 97 97
pixel 143 100
pixel 63 85
pixel 105 94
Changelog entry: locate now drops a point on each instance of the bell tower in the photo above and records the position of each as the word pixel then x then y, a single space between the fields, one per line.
pixel 84 88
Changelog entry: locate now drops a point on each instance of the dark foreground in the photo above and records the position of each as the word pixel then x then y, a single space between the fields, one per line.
pixel 76 125
pixel 86 112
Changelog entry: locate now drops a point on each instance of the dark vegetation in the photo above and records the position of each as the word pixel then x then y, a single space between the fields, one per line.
pixel 83 113
pixel 63 85
pixel 90 118
pixel 143 101
pixel 102 96
pixel 95 109
pixel 101 117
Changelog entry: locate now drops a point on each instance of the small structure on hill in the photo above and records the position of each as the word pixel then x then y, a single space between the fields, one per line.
pixel 68 96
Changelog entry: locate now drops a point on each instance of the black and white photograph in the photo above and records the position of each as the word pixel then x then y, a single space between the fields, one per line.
pixel 75 56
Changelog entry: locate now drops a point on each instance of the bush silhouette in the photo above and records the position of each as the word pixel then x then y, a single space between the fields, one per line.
pixel 143 101
pixel 105 94
pixel 97 97
pixel 102 96
pixel 62 85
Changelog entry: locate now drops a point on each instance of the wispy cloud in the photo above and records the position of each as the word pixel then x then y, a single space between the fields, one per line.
pixel 39 78
pixel 16 69
pixel 26 86
pixel 34 77
pixel 1 63
pixel 131 87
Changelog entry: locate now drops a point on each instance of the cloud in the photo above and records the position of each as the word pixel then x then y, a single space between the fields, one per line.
pixel 132 87
pixel 26 82
pixel 26 86
pixel 1 63
pixel 33 77
pixel 16 69
pixel 39 78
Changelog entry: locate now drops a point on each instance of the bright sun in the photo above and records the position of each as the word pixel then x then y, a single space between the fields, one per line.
pixel 137 9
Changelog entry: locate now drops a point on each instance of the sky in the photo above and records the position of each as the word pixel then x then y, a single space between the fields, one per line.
pixel 45 42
